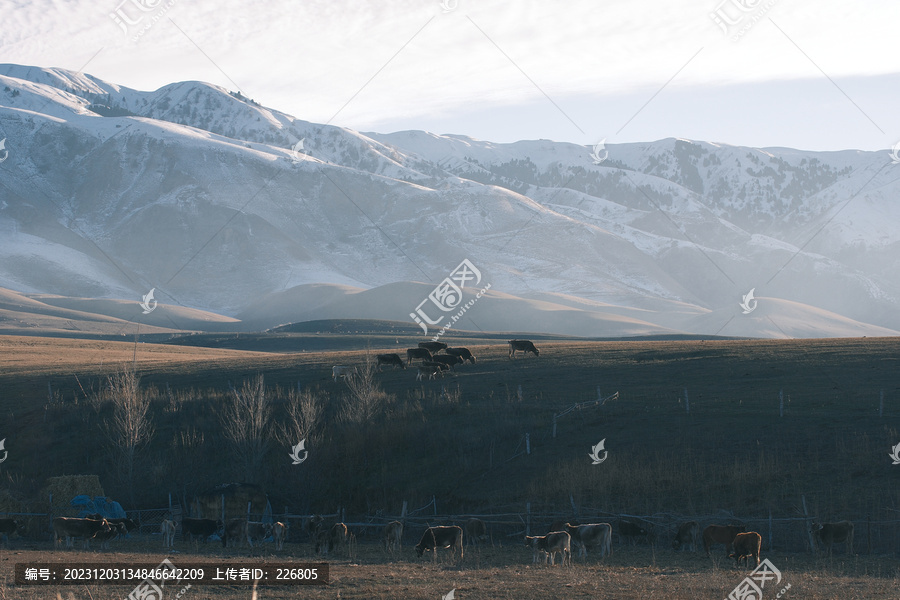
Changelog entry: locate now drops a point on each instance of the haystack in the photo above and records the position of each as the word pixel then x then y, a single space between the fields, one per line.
pixel 66 487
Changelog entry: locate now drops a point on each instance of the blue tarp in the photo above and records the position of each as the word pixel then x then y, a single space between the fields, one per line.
pixel 100 505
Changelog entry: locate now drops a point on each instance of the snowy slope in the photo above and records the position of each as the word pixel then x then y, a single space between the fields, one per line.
pixel 206 196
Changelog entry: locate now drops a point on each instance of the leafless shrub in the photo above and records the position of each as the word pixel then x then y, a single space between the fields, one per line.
pixel 245 421
pixel 304 416
pixel 130 426
pixel 366 400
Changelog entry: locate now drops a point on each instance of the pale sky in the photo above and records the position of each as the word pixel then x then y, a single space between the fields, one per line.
pixel 816 75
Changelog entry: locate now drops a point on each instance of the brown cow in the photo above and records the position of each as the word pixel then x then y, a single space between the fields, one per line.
pixel 522 346
pixel 688 535
pixel 746 545
pixel 393 536
pixel 412 353
pixel 433 347
pixel 279 532
pixel 550 544
pixel 71 528
pixel 829 533
pixel 463 353
pixel 332 539
pixel 593 534
pixel 441 537
pixel 721 534
pixel 475 530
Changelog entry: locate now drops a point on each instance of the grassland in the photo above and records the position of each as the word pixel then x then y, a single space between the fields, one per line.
pixel 461 441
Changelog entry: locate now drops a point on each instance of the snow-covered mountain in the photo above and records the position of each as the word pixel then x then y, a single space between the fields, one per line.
pixel 224 205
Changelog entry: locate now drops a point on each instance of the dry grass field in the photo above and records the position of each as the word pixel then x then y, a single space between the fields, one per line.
pixel 485 574
pixel 461 441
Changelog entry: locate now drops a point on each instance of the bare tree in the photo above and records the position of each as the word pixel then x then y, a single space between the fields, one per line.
pixel 246 423
pixel 367 399
pixel 131 425
pixel 304 416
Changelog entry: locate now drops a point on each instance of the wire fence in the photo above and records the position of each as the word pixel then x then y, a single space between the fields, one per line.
pixel 781 533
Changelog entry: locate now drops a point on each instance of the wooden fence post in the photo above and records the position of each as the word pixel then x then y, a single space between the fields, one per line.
pixel 687 402
pixel 528 518
pixel 519 392
pixel 809 533
pixel 527 444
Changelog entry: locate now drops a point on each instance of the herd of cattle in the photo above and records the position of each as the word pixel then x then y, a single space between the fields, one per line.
pixel 433 363
pixel 562 536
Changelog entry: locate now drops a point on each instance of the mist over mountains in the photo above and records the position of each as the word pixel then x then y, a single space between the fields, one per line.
pixel 225 206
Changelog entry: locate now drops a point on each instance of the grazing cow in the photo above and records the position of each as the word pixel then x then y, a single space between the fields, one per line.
pixel 746 545
pixel 116 529
pixel 632 531
pixel 829 533
pixel 594 534
pixel 129 524
pixel 236 531
pixel 332 539
pixel 412 353
pixel 430 363
pixel 688 535
pixel 167 529
pixel 7 528
pixel 721 534
pixel 429 372
pixel 257 530
pixel 447 359
pixel 463 353
pixel 522 346
pixel 433 347
pixel 550 544
pixel 390 359
pixel 393 536
pixel 341 371
pixel 441 537
pixel 199 529
pixel 279 532
pixel 71 528
pixel 315 524
pixel 475 530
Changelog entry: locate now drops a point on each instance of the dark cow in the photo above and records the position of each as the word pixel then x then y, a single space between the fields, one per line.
pixel 447 359
pixel 115 530
pixel 441 537
pixel 128 523
pixel 199 529
pixel 522 346
pixel 412 353
pixel 71 528
pixel 746 545
pixel 316 523
pixel 475 530
pixel 594 534
pixel 433 347
pixel 393 536
pixel 236 531
pixel 550 544
pixel 632 531
pixel 390 359
pixel 463 353
pixel 721 534
pixel 829 533
pixel 688 535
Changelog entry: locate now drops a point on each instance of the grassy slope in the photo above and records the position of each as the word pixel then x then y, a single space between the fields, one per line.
pixel 732 452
